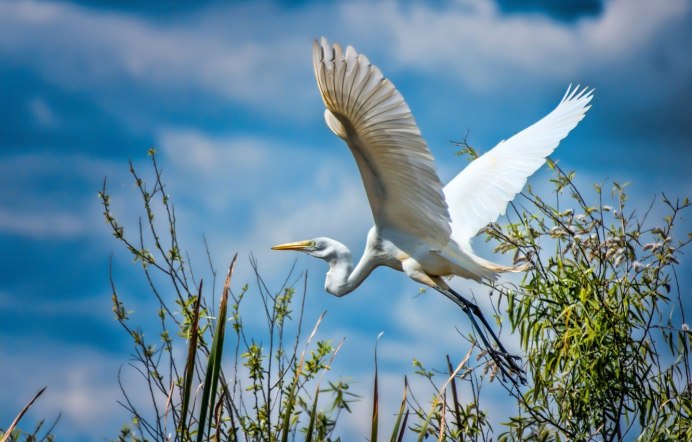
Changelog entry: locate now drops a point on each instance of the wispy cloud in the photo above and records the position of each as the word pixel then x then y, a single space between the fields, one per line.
pixel 266 67
pixel 40 224
pixel 43 113
pixel 225 92
pixel 249 193
pixel 476 41
pixel 64 201
pixel 80 385
pixel 94 51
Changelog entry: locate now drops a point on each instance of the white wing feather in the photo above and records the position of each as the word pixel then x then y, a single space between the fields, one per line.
pixel 398 170
pixel 480 193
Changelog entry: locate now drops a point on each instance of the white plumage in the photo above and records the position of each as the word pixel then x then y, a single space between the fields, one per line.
pixel 421 228
pixel 479 194
pixel 366 111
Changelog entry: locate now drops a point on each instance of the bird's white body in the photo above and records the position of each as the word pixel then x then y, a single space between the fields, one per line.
pixel 381 249
pixel 417 260
pixel 421 227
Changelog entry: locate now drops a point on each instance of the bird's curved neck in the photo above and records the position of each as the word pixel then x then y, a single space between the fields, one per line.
pixel 342 278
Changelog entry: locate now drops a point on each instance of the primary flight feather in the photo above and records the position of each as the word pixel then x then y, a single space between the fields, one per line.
pixel 398 170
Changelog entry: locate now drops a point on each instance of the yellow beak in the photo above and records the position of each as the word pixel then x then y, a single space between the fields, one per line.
pixel 300 245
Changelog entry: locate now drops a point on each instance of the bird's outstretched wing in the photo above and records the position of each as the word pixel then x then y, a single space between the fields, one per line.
pixel 398 170
pixel 480 193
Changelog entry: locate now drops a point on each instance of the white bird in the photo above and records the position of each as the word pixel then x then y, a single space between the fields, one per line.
pixel 421 227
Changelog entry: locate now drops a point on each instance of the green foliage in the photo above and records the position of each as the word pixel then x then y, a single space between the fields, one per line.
pixel 599 316
pixel 271 388
pixel 593 316
pixel 454 412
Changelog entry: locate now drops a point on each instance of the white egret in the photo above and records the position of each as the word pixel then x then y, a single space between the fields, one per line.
pixel 421 227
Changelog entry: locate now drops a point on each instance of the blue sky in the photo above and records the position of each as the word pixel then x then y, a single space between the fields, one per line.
pixel 226 94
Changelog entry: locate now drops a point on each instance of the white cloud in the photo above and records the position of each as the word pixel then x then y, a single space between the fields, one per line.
pixel 254 193
pixel 92 307
pixel 84 49
pixel 474 40
pixel 58 209
pixel 227 170
pixel 81 386
pixel 266 65
pixel 42 112
pixel 40 224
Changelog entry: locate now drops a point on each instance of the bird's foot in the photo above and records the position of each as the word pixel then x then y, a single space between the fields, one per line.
pixel 508 366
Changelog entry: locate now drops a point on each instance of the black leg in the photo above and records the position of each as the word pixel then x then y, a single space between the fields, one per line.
pixel 477 311
pixel 502 358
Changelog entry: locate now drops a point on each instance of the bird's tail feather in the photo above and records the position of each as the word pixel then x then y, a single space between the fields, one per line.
pixel 498 268
pixel 471 266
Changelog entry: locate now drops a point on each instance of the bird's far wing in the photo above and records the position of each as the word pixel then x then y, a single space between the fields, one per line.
pixel 479 194
pixel 398 170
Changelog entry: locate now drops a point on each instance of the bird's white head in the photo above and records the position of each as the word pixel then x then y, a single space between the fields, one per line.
pixel 340 280
pixel 323 248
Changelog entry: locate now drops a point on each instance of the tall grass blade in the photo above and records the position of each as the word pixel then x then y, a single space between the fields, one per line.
pixel 375 400
pixel 403 428
pixel 204 404
pixel 213 372
pixel 313 416
pixel 397 425
pixel 10 429
pixel 217 344
pixel 190 366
